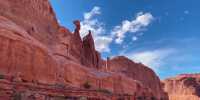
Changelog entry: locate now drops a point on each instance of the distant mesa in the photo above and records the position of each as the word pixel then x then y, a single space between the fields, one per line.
pixel 183 87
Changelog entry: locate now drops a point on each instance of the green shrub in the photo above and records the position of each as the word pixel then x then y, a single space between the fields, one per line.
pixel 189 81
pixel 2 77
pixel 153 98
pixel 17 96
pixel 87 85
pixel 141 98
pixel 59 98
pixel 83 98
pixel 60 86
pixel 104 91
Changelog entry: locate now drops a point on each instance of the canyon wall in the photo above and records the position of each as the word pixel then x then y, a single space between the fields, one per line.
pixel 183 87
pixel 35 50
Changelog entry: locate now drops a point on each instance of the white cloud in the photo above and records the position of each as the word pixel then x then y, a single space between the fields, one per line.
pixel 92 13
pixel 90 22
pixel 186 12
pixel 59 21
pixel 134 38
pixel 142 20
pixel 102 41
pixel 151 58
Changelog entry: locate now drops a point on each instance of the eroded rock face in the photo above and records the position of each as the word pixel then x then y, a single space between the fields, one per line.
pixel 34 49
pixel 137 72
pixel 183 87
pixel 20 53
pixel 91 57
pixel 34 16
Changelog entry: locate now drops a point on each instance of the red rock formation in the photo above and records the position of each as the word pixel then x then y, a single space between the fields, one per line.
pixel 34 16
pixel 34 49
pixel 29 91
pixel 91 56
pixel 183 87
pixel 76 47
pixel 137 72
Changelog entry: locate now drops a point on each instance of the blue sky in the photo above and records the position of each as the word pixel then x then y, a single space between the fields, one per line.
pixel 162 34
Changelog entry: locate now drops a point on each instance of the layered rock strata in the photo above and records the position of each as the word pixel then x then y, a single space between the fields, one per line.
pixel 35 49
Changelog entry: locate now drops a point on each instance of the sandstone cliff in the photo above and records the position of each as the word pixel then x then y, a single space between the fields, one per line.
pixel 134 70
pixel 183 87
pixel 38 56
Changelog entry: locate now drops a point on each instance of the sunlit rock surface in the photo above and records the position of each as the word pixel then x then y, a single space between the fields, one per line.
pixel 183 87
pixel 41 60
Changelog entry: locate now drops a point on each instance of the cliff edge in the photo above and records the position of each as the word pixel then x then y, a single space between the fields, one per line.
pixel 40 59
